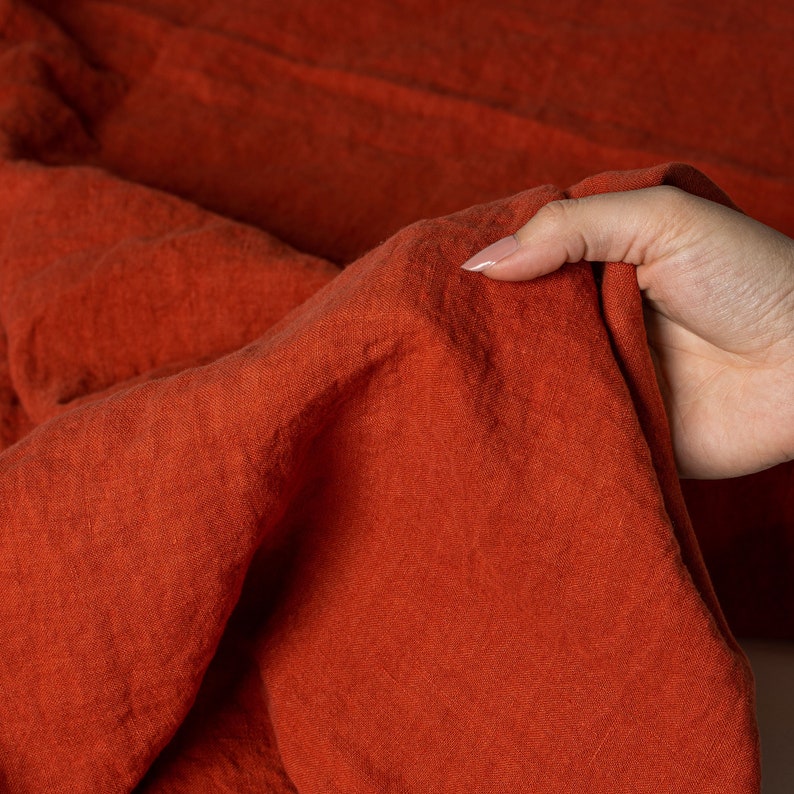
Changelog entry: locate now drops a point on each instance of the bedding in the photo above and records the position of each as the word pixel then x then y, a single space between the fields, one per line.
pixel 288 501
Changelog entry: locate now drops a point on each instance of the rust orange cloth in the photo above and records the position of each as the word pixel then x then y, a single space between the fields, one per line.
pixel 289 506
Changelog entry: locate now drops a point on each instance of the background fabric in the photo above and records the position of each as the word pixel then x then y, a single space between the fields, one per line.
pixel 286 505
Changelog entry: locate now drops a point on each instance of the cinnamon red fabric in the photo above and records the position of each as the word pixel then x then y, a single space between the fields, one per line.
pixel 288 501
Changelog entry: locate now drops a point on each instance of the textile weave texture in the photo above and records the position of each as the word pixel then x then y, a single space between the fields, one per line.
pixel 288 501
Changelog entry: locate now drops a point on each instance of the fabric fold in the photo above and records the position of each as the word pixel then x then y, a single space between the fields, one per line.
pixel 426 520
pixel 268 524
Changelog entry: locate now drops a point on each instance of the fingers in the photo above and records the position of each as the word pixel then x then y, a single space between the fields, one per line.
pixel 631 227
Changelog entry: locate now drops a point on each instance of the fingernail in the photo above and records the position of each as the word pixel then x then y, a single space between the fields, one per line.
pixel 492 254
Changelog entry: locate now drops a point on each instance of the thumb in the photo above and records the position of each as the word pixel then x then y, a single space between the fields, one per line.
pixel 631 226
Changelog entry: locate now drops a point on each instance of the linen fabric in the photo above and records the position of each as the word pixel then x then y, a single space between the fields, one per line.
pixel 288 501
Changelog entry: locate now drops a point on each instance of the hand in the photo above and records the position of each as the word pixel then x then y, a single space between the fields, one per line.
pixel 718 296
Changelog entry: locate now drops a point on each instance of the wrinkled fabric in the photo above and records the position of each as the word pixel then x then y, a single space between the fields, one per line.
pixel 288 501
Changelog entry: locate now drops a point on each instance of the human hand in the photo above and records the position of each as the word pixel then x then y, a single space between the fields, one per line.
pixel 718 301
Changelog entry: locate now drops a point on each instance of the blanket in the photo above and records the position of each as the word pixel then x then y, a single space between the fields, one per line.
pixel 288 501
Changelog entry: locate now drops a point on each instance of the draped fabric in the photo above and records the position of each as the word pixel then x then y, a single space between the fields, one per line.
pixel 289 501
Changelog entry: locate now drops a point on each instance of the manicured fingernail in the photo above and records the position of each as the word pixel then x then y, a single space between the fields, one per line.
pixel 492 254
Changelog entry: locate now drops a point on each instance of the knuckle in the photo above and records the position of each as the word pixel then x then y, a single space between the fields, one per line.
pixel 556 212
pixel 672 199
pixel 676 215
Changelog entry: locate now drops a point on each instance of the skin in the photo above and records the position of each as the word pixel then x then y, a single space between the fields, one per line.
pixel 718 296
